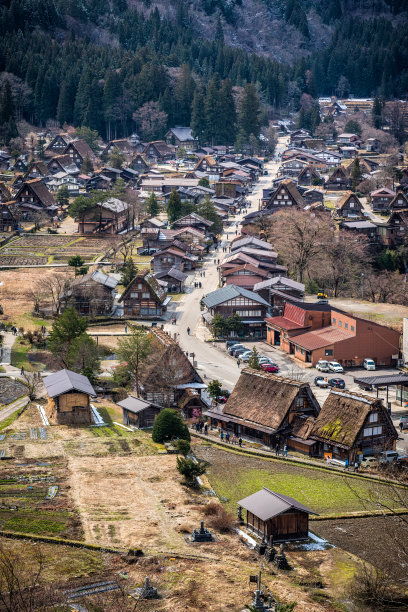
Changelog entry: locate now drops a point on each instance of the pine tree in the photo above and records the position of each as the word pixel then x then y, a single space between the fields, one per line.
pixel 63 196
pixel 174 206
pixel 249 118
pixel 253 361
pixel 212 109
pixel 82 96
pixel 207 210
pixel 153 205
pixel 356 174
pixel 184 93
pixel 228 114
pixel 376 113
pixel 87 166
pixel 7 104
pixel 219 32
pixel 64 106
pixel 198 125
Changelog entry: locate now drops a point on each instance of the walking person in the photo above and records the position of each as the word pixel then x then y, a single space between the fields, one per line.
pixel 22 371
pixel 238 362
pixel 125 329
pixel 401 425
pixel 206 429
pixel 285 450
pixel 227 437
pixel 240 442
pixel 277 449
pixel 222 435
pixel 188 331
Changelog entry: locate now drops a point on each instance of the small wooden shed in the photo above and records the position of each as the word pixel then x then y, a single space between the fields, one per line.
pixel 69 398
pixel 275 517
pixel 139 412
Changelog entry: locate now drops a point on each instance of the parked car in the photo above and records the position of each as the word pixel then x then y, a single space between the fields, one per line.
pixel 323 366
pixel 235 347
pixel 238 352
pixel 230 343
pixel 146 252
pixel 369 462
pixel 388 457
pixel 404 422
pixel 334 366
pixel 337 383
pixel 319 381
pixel 268 367
pixel 369 364
pixel 265 360
pixel 245 356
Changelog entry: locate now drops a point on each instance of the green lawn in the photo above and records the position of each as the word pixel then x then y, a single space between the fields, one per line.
pixel 19 354
pixel 234 477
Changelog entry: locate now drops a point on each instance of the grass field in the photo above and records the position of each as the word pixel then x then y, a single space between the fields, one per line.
pixel 234 477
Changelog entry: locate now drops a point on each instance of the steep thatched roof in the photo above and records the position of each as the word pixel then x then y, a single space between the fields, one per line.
pixel 262 398
pixel 342 416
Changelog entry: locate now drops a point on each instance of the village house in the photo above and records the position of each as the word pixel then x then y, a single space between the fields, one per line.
pixel 99 182
pixel 139 413
pixel 145 297
pixel 298 136
pixel 38 169
pixel 243 275
pixel 58 144
pixel 78 151
pixel 338 180
pixel 8 222
pixel 233 300
pixel 121 145
pixel 92 294
pixel 347 138
pixel 399 201
pixel 364 228
pixel 182 137
pixel 353 426
pixel 69 397
pixel 238 258
pixel 174 278
pixel 381 199
pixel 194 220
pixel 159 151
pixel 275 517
pixel 267 408
pixel 140 163
pixel 394 232
pixel 169 373
pixel 313 196
pixel 311 332
pixel 349 206
pixel 279 290
pixel 286 194
pixel 292 167
pixel 108 217
pixel 62 163
pixel 308 176
pixel 174 255
pixel 33 197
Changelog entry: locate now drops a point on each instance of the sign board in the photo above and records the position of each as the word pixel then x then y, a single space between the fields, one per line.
pixel 253 579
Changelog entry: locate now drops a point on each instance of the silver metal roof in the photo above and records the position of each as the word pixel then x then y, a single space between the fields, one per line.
pixel 135 404
pixel 229 292
pixel 265 504
pixel 115 205
pixel 104 279
pixel 64 381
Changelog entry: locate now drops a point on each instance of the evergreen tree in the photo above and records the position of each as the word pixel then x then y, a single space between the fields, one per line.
pixel 249 117
pixel 212 109
pixel 7 104
pixel 63 196
pixel 69 326
pixel 169 425
pixel 376 113
pixel 228 115
pixel 253 361
pixel 87 167
pixel 174 207
pixel 82 97
pixel 353 127
pixel 184 93
pixel 356 174
pixel 219 32
pixel 198 124
pixel 153 205
pixel 129 272
pixel 64 106
pixel 207 210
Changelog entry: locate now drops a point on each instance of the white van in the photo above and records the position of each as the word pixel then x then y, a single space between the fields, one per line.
pixel 323 366
pixel 369 364
pixel 388 456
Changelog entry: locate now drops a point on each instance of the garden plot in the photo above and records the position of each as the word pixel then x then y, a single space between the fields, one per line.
pixel 35 499
pixel 10 391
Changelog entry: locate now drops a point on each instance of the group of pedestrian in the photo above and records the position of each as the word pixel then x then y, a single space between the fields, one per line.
pixel 202 273
pixel 227 436
pixel 284 452
pixel 200 426
pixel 197 285
pixel 13 330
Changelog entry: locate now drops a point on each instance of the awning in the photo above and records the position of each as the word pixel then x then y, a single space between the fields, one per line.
pixel 193 385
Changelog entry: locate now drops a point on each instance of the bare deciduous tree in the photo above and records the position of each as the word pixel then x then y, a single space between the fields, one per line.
pixel 54 288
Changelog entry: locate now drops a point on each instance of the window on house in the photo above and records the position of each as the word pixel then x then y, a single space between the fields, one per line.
pixel 328 352
pixel 346 326
pixel 340 323
pixel 351 204
pixel 352 327
pixel 372 431
pixel 145 294
pixel 303 352
pixel 140 286
pixel 334 321
pixel 134 295
pixel 373 417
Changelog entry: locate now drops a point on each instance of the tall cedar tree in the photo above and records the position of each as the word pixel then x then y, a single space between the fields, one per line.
pixel 134 351
pixel 66 329
pixel 152 205
pixel 249 117
pixel 198 120
pixel 174 207
pixel 207 210
pixel 184 93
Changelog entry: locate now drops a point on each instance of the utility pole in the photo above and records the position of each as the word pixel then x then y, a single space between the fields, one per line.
pixel 362 285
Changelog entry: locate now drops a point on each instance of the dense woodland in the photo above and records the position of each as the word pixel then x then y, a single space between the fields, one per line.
pixel 101 64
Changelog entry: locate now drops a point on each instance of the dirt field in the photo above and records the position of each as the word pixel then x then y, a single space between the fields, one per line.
pixel 377 540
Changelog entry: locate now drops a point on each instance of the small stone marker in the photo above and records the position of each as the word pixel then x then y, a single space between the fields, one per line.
pixel 280 560
pixel 201 535
pixel 147 591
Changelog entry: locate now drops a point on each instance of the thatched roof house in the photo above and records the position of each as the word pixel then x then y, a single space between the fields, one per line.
pixel 264 406
pixel 352 425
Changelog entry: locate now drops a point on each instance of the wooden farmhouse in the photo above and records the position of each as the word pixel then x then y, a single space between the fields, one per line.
pixel 140 164
pixel 352 426
pixel 108 217
pixel 399 201
pixel 268 409
pixel 33 197
pixel 62 163
pixel 338 180
pixel 145 297
pixel 138 412
pixel 69 396
pixel 381 199
pixel 349 206
pixel 182 137
pixel 158 151
pixel 286 194
pixel 8 222
pixel 275 517
pixel 78 151
pixel 308 176
pixel 92 294
pixel 394 232
pixel 58 144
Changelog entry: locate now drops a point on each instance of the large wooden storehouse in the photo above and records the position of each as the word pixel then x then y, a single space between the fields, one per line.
pixel 275 517
pixel 69 396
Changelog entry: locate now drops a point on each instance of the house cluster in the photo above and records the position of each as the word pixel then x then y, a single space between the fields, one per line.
pixel 277 411
pixel 30 190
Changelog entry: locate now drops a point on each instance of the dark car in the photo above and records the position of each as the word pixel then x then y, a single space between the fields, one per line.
pixel 320 381
pixel 269 367
pixel 230 343
pixel 337 383
pixel 222 398
pixel 234 348
pixel 239 352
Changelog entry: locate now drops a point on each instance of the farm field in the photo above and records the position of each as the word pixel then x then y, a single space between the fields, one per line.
pixel 235 476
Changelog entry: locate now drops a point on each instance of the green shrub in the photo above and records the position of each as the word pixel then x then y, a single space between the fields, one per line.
pixel 191 469
pixel 169 426
pixel 183 446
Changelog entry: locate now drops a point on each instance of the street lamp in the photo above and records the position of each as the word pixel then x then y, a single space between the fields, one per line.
pixel 362 285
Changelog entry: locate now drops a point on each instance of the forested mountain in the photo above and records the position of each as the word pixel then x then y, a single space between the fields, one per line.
pixel 98 62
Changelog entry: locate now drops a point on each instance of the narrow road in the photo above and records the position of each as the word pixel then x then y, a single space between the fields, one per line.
pixel 212 361
pixel 11 408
